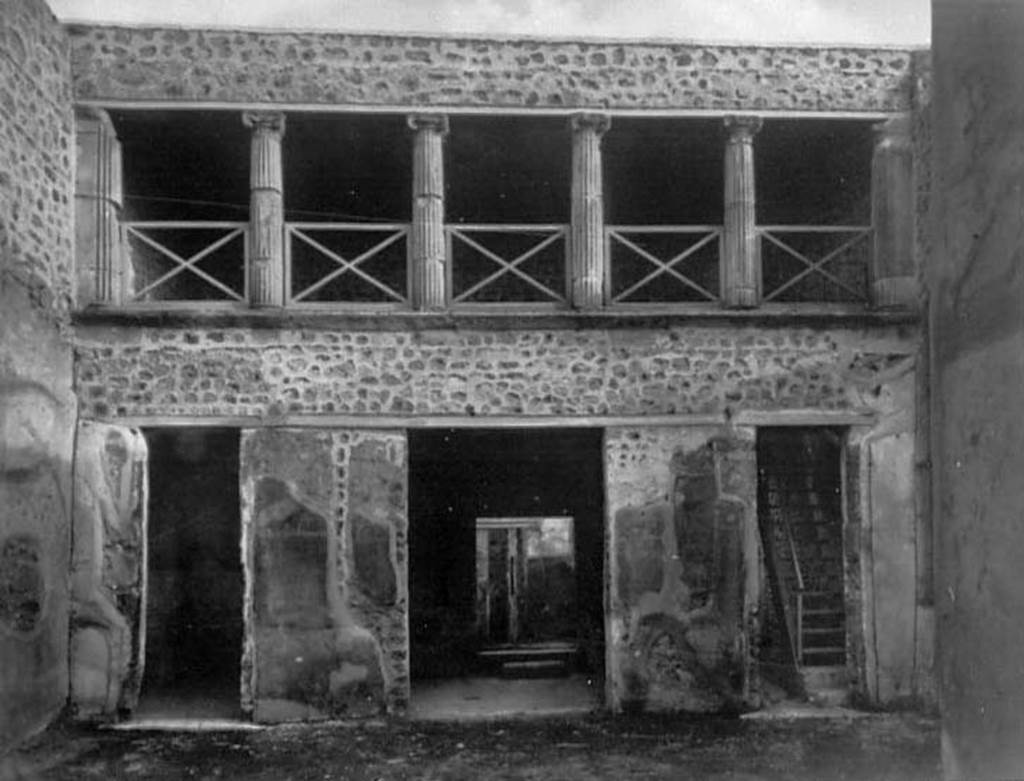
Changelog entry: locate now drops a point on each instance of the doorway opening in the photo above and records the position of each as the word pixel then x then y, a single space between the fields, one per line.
pixel 194 625
pixel 506 569
pixel 800 517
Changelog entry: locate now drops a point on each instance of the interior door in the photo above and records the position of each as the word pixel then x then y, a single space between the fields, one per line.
pixel 108 569
pixel 526 580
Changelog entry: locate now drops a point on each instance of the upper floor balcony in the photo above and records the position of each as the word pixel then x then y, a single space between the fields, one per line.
pixel 386 212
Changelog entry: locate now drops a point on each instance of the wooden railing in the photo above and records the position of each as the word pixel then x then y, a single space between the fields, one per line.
pixel 650 264
pixel 500 263
pixel 815 263
pixel 796 623
pixel 346 263
pixel 164 261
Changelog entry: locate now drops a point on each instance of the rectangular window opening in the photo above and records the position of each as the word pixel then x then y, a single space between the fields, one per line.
pixel 814 209
pixel 186 205
pixel 348 205
pixel 508 182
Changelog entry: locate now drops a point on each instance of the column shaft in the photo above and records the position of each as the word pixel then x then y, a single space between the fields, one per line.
pixel 99 248
pixel 586 237
pixel 427 248
pixel 893 279
pixel 266 210
pixel 741 251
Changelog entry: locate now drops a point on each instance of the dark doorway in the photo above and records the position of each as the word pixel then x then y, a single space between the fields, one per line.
pixel 506 549
pixel 800 515
pixel 194 624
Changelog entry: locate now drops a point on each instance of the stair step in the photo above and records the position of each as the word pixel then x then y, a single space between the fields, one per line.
pixel 817 676
pixel 544 668
pixel 824 611
pixel 523 653
pixel 823 630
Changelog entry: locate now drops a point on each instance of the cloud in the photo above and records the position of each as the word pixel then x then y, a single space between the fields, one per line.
pixel 783 21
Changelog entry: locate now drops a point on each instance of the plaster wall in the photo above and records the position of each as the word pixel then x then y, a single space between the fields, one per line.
pixel 176 64
pixel 681 505
pixel 324 520
pixel 977 321
pixel 37 407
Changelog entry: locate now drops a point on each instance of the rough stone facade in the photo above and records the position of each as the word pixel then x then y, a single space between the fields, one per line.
pixel 267 374
pixel 323 507
pixel 37 407
pixel 119 63
pixel 36 178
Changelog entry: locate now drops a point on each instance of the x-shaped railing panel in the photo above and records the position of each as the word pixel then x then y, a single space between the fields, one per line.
pixel 857 234
pixel 554 233
pixel 181 264
pixel 617 234
pixel 302 231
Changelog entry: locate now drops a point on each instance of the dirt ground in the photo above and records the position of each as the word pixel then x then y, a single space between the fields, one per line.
pixel 895 747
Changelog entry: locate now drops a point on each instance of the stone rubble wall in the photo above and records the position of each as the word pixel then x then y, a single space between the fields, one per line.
pixel 234 372
pixel 178 64
pixel 37 407
pixel 36 138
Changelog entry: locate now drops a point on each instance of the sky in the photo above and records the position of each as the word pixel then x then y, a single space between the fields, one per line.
pixel 878 22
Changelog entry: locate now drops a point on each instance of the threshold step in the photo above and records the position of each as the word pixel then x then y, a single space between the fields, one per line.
pixel 534 669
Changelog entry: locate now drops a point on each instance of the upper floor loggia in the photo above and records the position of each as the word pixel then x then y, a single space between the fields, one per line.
pixel 431 212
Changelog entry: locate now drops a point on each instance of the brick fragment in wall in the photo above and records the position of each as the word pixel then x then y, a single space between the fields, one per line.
pixel 340 68
pixel 593 372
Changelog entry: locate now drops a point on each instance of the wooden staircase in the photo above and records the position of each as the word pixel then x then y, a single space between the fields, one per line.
pixel 821 624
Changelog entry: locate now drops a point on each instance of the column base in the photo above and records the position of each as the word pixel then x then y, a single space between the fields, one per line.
pixel 743 298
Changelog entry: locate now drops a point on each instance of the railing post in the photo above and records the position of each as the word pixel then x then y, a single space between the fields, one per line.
pixel 893 282
pixel 741 249
pixel 266 209
pixel 427 251
pixel 100 256
pixel 586 237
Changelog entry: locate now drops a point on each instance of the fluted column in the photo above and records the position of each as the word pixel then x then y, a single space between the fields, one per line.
pixel 586 237
pixel 741 252
pixel 893 281
pixel 99 249
pixel 266 209
pixel 427 251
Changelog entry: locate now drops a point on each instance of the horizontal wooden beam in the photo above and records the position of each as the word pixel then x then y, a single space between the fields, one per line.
pixel 743 418
pixel 403 110
pixel 517 317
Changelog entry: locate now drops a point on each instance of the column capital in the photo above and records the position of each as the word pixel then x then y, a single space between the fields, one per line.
pixel 437 123
pixel 742 127
pixel 269 121
pixel 593 121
